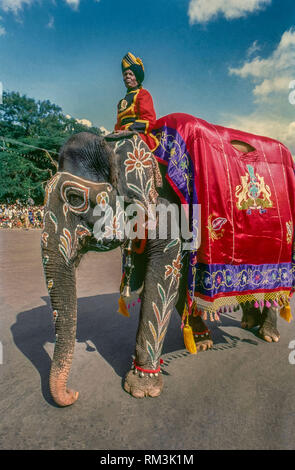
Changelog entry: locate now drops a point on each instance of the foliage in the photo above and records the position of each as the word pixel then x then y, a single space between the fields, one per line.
pixel 27 127
pixel 20 178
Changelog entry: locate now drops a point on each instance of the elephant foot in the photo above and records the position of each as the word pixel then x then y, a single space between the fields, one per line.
pixel 201 333
pixel 151 385
pixel 60 394
pixel 269 332
pixel 203 344
pixel 251 318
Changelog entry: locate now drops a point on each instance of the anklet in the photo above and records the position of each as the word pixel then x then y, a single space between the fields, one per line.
pixel 147 371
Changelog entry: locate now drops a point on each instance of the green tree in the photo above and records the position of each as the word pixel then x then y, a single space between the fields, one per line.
pixel 20 178
pixel 32 133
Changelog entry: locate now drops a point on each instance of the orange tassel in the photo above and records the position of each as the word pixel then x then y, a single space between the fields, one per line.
pixel 286 314
pixel 188 338
pixel 195 312
pixel 122 307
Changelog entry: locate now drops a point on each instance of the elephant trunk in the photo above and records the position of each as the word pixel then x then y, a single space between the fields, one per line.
pixel 60 274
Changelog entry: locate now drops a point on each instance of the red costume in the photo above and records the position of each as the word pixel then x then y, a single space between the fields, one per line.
pixel 136 112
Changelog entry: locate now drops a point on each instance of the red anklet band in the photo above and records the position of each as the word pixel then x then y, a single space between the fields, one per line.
pixel 201 333
pixel 148 371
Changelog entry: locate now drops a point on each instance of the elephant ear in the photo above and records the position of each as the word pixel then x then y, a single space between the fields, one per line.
pixel 135 167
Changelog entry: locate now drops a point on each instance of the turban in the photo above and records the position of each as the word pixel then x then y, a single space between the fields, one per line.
pixel 135 64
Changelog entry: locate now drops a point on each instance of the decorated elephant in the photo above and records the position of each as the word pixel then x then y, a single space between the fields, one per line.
pixel 85 209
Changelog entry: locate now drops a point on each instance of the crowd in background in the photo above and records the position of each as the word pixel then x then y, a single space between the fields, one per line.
pixel 18 215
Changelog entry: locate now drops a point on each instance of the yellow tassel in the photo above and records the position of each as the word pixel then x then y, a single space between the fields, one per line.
pixel 185 313
pixel 122 307
pixel 286 314
pixel 281 301
pixel 188 338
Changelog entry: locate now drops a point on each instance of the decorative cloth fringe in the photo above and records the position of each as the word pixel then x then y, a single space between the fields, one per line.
pixel 229 304
pixel 202 309
pixel 123 308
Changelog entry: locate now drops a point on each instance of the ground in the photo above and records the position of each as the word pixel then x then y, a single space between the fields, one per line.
pixel 239 395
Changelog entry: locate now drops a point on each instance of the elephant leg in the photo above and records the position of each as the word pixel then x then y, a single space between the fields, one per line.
pixel 201 331
pixel 268 330
pixel 157 302
pixel 251 316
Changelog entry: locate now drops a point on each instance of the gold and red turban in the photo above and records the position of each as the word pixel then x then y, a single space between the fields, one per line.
pixel 135 64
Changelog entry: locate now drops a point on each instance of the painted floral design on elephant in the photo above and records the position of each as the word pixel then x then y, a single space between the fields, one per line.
pixel 67 247
pixel 114 230
pixel 102 199
pixel 44 239
pixel 45 260
pixel 174 270
pixel 51 186
pixel 114 224
pixel 163 313
pixel 52 218
pixel 55 315
pixel 138 161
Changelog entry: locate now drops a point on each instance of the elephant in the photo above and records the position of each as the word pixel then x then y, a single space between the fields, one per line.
pixel 93 171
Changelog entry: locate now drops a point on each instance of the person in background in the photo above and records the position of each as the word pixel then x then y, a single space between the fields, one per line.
pixel 27 222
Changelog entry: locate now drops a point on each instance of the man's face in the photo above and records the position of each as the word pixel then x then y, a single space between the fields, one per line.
pixel 129 79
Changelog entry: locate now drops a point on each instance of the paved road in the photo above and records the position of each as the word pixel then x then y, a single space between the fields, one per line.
pixel 240 395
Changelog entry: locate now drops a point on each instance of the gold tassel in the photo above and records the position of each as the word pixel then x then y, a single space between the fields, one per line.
pixel 281 301
pixel 122 307
pixel 286 314
pixel 184 313
pixel 188 338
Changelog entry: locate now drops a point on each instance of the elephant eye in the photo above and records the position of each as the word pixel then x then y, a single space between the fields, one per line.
pixel 75 199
